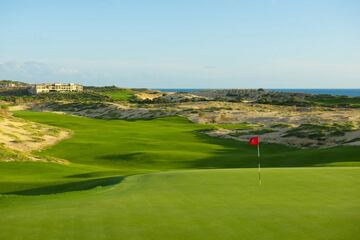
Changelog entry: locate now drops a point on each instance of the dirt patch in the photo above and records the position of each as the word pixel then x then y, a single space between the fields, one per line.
pixel 148 95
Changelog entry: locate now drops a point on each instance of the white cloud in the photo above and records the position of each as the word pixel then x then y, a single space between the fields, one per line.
pixel 34 71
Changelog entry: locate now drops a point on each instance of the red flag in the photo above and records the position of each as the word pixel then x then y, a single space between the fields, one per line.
pixel 254 140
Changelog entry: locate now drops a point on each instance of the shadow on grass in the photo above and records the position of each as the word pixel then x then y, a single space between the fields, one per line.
pixel 69 187
pixel 122 157
pixel 237 154
pixel 93 174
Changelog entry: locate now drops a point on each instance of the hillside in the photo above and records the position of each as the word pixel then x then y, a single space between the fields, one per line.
pixel 12 84
pixel 146 168
pixel 19 137
pixel 303 127
pixel 157 179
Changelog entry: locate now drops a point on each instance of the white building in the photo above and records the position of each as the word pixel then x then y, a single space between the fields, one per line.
pixel 55 87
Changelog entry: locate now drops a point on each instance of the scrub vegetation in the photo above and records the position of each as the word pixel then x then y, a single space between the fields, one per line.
pixel 127 170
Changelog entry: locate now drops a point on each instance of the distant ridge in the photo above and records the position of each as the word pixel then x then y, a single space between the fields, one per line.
pixel 339 92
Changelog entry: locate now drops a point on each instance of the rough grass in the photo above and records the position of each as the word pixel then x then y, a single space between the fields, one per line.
pixel 330 100
pixel 281 125
pixel 259 131
pixel 314 131
pixel 11 155
pixel 235 126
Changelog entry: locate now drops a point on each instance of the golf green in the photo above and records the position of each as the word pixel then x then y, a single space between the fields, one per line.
pixel 164 179
pixel 292 203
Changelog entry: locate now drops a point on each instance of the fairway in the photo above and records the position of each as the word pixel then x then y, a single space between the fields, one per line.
pixel 164 179
pixel 119 95
pixel 180 120
pixel 298 203
pixel 172 143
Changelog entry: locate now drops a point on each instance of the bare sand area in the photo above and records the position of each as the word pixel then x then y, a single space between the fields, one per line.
pixel 18 138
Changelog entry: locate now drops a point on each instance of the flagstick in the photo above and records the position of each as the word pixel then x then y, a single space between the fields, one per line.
pixel 259 167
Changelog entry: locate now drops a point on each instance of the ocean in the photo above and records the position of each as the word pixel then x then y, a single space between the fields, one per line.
pixel 338 92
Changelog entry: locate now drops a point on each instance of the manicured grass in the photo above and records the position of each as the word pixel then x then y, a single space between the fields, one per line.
pixel 26 176
pixel 296 203
pixel 131 191
pixel 119 94
pixel 121 148
pixel 172 143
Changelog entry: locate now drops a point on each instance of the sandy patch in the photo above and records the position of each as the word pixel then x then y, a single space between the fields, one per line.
pixel 19 107
pixel 21 135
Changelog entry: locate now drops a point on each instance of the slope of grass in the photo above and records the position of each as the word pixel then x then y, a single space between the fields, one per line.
pixel 102 149
pixel 119 94
pixel 172 143
pixel 301 202
pixel 23 176
pixel 297 203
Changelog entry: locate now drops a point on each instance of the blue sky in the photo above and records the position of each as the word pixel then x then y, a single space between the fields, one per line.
pixel 183 43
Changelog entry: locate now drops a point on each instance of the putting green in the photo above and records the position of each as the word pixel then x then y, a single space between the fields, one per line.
pixel 163 179
pixel 296 203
